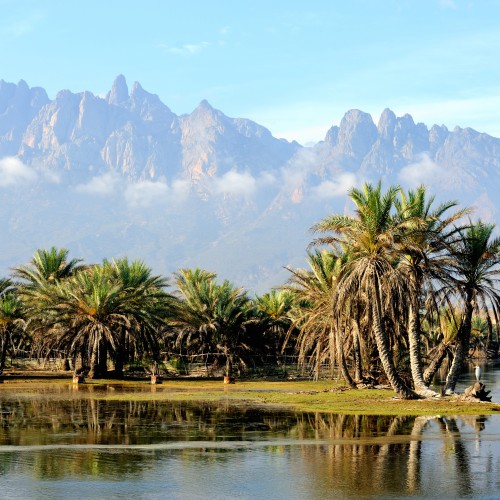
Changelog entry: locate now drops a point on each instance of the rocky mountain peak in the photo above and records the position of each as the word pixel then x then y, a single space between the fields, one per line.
pixel 356 135
pixel 386 124
pixel 119 91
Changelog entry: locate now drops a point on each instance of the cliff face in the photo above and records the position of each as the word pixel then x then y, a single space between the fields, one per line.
pixel 124 175
pixel 134 134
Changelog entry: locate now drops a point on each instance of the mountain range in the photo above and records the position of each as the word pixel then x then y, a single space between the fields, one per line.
pixel 122 175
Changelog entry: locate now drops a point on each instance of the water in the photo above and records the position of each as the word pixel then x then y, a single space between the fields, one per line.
pixel 58 442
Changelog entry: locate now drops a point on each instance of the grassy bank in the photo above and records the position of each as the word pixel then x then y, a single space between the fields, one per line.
pixel 322 396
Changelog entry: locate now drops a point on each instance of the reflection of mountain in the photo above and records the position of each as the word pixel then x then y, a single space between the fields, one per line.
pixel 125 175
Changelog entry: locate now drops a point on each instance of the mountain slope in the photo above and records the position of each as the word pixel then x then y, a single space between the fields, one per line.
pixel 124 175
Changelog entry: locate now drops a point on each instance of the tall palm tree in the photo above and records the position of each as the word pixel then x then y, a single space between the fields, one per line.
pixel 372 275
pixel 476 257
pixel 425 259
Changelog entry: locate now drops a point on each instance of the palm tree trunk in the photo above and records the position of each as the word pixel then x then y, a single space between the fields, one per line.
pixel 120 356
pixel 341 358
pixel 95 358
pixel 358 368
pixel 415 357
pixel 462 350
pixel 384 350
pixel 435 364
pixel 5 344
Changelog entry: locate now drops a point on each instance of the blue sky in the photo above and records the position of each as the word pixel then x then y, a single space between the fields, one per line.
pixel 293 66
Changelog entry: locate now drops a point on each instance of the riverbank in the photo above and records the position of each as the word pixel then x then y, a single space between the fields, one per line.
pixel 304 395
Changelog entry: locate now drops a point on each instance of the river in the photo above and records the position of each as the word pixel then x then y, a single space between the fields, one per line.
pixel 58 442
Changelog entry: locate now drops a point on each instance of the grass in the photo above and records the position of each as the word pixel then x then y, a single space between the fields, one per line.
pixel 303 395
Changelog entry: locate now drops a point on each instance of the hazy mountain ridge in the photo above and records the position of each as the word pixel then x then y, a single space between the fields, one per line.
pixel 123 174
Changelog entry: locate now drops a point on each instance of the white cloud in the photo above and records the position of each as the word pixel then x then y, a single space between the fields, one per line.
pixel 180 189
pixel 233 182
pixel 14 172
pixel 424 171
pixel 299 167
pixel 266 179
pixel 101 185
pixel 187 49
pixel 144 193
pixel 335 188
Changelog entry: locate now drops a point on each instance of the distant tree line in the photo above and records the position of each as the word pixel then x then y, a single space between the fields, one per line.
pixel 390 293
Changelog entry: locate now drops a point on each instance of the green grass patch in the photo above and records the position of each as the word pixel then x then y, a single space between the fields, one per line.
pixel 301 395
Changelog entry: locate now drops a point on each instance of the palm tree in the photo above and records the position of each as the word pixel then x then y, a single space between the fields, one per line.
pixel 439 340
pixel 148 307
pixel 47 266
pixel 11 318
pixel 212 315
pixel 272 310
pixel 6 285
pixel 476 256
pixel 423 248
pixel 312 315
pixel 372 276
pixel 83 314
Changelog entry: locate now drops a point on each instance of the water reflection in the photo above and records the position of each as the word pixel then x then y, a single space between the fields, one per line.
pixel 59 439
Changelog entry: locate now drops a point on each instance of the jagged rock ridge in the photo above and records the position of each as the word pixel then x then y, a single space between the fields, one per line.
pixel 247 234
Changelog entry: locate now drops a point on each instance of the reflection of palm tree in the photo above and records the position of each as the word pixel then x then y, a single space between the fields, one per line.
pixel 415 453
pixel 462 460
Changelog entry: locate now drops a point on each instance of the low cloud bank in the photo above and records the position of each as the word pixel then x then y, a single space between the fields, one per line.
pixel 13 172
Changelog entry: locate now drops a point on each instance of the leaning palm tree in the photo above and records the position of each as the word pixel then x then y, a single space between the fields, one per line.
pixel 476 257
pixel 372 276
pixel 442 331
pixel 425 259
